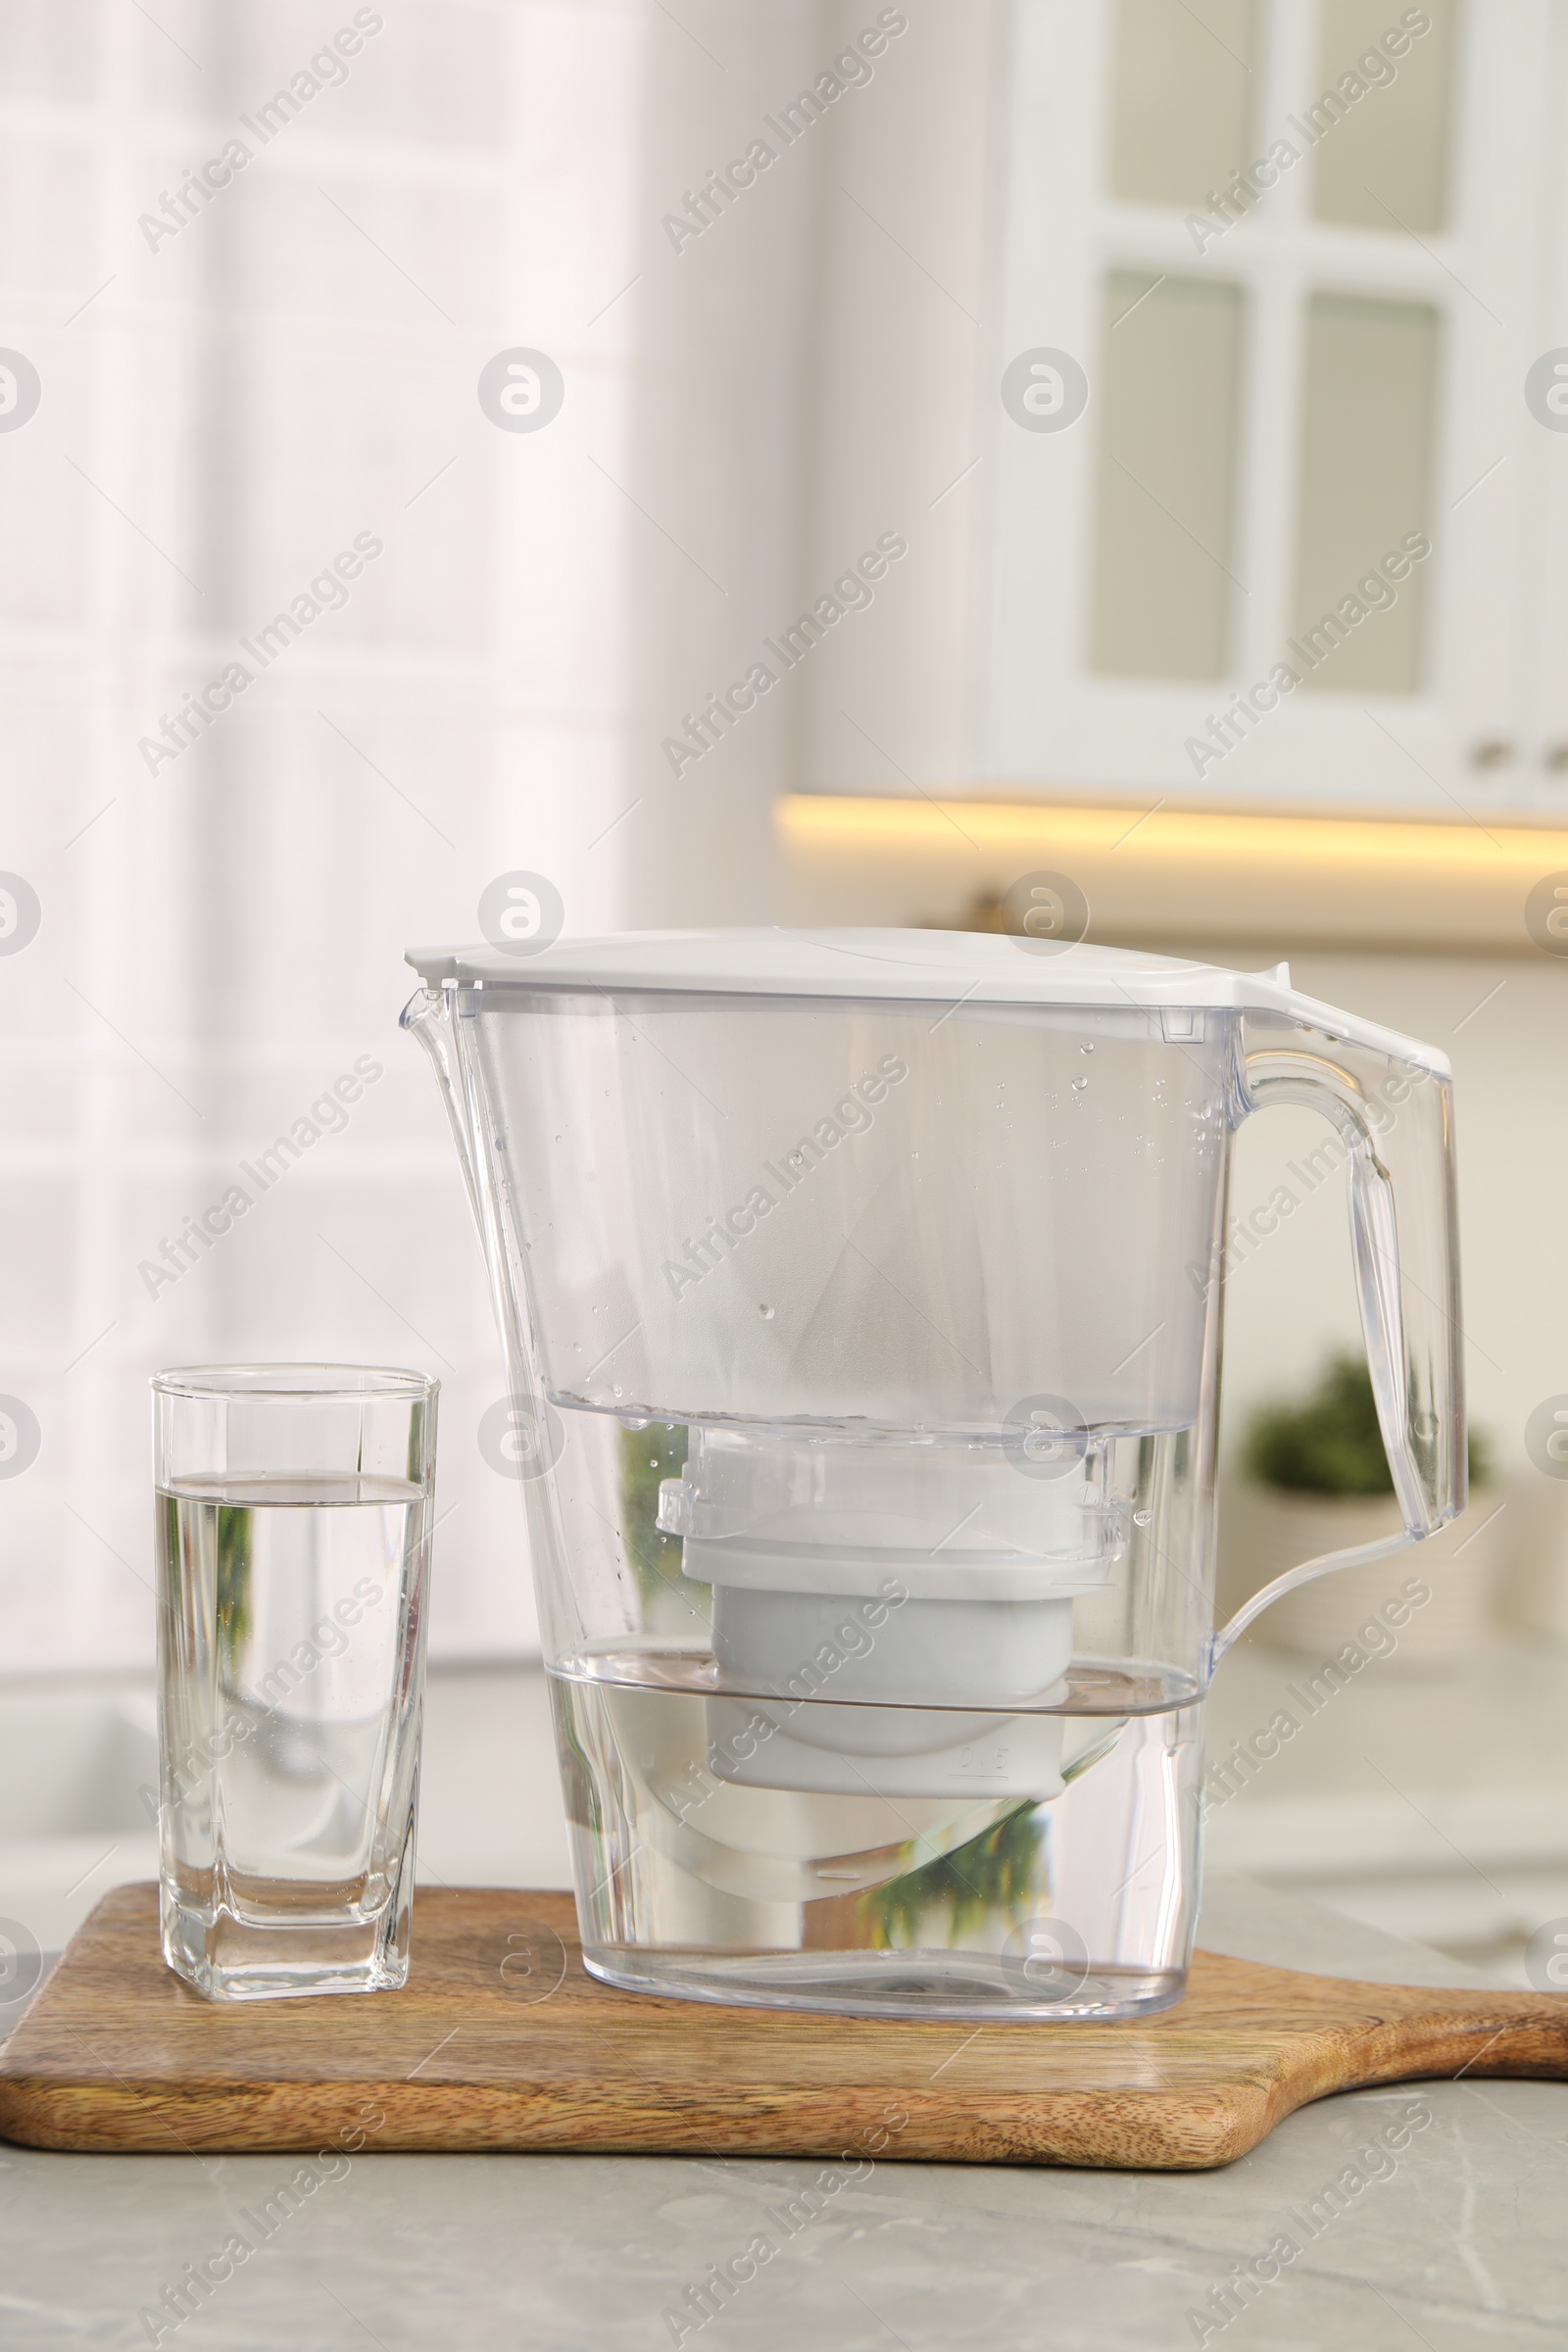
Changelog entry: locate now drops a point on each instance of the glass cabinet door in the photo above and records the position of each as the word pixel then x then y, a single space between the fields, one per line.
pixel 1293 548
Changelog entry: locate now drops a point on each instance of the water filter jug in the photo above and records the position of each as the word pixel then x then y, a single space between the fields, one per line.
pixel 861 1299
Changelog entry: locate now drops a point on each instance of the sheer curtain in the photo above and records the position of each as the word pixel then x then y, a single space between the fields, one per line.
pixel 260 399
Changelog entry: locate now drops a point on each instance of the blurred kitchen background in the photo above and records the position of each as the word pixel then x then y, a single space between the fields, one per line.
pixel 1167 349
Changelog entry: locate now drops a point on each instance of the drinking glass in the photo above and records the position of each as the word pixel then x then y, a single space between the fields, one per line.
pixel 294 1508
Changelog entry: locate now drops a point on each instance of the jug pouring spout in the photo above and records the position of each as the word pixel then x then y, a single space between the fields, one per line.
pixel 429 1015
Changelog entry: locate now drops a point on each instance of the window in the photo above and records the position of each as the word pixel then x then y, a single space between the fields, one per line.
pixel 234 399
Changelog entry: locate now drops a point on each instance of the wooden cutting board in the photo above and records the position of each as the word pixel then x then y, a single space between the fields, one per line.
pixel 501 2040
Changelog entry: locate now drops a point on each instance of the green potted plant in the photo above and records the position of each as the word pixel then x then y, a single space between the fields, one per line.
pixel 1317 1479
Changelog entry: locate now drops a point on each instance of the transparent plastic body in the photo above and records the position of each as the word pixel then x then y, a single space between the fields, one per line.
pixel 868 1351
pixel 293 1530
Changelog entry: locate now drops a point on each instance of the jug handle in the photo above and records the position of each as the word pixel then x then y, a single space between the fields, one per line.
pixel 1408 1296
pixel 428 1016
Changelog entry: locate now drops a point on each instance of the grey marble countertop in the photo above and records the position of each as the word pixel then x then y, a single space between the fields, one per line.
pixel 1454 2238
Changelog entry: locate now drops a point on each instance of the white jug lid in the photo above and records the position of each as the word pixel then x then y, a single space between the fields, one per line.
pixel 986 967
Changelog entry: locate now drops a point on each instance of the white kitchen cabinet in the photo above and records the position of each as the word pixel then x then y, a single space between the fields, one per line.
pixel 1288 383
